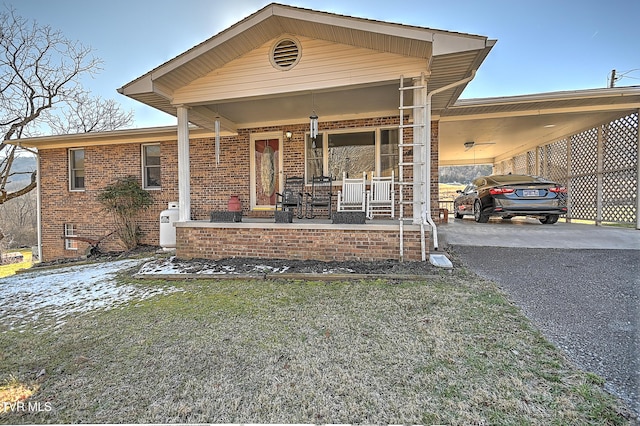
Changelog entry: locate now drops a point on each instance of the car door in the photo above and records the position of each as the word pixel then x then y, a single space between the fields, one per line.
pixel 467 198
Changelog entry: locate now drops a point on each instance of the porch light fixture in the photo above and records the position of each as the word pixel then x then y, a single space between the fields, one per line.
pixel 288 134
pixel 313 129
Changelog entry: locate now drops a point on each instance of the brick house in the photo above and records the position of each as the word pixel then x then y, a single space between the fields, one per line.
pixel 237 97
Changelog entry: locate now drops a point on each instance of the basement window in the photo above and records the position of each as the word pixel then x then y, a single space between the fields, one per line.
pixel 70 231
pixel 285 54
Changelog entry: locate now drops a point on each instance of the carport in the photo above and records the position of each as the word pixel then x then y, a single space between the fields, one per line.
pixel 587 140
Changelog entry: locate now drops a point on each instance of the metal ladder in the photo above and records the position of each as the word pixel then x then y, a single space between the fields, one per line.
pixel 417 180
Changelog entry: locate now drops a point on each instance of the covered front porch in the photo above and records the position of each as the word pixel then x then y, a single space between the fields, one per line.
pixel 258 84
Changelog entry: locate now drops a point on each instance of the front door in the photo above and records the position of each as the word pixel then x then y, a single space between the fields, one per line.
pixel 266 166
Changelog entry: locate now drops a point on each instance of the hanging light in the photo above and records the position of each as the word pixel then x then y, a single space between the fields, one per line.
pixel 313 129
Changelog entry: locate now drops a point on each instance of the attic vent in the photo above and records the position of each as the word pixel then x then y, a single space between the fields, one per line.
pixel 285 54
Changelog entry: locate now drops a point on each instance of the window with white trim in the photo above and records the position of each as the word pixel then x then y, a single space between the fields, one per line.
pixel 353 152
pixel 70 231
pixel 76 169
pixel 151 166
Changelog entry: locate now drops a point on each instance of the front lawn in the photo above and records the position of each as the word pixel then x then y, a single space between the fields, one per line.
pixel 451 350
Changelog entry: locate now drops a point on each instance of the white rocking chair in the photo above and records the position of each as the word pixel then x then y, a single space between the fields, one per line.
pixel 381 196
pixel 352 195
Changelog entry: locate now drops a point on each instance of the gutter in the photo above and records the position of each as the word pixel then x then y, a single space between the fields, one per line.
pixel 427 213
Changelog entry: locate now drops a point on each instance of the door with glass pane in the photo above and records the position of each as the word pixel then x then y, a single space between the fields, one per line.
pixel 266 165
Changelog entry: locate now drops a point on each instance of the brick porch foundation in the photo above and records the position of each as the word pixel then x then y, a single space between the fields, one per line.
pixel 303 241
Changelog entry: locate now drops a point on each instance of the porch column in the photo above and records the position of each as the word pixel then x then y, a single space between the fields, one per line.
pixel 184 172
pixel 419 150
pixel 638 174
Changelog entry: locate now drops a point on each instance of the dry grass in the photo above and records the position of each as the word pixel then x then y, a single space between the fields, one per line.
pixel 451 351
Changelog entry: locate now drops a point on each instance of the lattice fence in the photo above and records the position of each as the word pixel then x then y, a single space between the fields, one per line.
pixel 620 170
pixel 599 167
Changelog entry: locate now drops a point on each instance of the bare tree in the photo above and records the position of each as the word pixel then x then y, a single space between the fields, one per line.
pixel 40 88
pixel 90 114
pixel 19 221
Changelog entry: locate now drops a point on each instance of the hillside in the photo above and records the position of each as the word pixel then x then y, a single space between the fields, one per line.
pixel 22 164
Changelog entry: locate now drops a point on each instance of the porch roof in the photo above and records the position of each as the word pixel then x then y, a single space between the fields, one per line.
pixel 449 56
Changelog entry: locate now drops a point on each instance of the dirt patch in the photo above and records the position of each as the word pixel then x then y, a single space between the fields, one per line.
pixel 248 266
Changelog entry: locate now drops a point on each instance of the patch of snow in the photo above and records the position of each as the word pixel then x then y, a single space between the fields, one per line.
pixel 59 293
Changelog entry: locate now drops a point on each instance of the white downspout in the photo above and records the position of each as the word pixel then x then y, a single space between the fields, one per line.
pixel 39 206
pixel 429 219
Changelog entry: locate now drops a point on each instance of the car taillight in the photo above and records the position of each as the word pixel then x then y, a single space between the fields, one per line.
pixel 497 191
pixel 558 189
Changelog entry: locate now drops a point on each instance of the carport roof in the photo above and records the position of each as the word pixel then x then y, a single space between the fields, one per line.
pixel 502 127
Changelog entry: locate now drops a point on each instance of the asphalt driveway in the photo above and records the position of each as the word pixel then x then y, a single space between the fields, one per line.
pixel 579 284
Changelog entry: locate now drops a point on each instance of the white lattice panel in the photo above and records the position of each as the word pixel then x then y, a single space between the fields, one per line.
pixel 583 197
pixel 520 164
pixel 557 161
pixel 620 143
pixel 584 148
pixel 619 192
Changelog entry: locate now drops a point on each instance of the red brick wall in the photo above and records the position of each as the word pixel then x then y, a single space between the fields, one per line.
pixel 291 242
pixel 103 165
pixel 211 184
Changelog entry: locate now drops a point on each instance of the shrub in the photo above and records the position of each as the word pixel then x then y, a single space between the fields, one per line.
pixel 124 200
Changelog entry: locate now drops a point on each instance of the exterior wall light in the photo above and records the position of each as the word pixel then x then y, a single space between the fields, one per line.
pixel 288 134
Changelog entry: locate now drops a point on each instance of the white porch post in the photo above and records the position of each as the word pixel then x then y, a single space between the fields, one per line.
pixel 638 175
pixel 419 151
pixel 184 172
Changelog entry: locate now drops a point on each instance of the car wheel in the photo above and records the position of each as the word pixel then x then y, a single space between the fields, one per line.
pixel 550 219
pixel 478 214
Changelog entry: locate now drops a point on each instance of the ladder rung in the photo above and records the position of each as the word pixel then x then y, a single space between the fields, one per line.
pixel 418 163
pixel 412 87
pixel 410 183
pixel 412 106
pixel 411 144
pixel 411 202
pixel 403 126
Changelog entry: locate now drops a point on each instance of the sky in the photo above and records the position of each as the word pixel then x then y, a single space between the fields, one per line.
pixel 543 45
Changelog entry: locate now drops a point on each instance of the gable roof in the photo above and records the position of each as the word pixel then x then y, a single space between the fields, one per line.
pixel 449 56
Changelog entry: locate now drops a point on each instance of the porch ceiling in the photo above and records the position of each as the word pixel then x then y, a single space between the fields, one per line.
pixel 516 124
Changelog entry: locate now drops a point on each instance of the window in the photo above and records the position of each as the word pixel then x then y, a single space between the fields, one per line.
pixel 353 152
pixel 70 231
pixel 151 166
pixel 76 169
pixel 389 152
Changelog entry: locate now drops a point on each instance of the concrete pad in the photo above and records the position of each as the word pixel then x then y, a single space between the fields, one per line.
pixel 440 260
pixel 530 233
